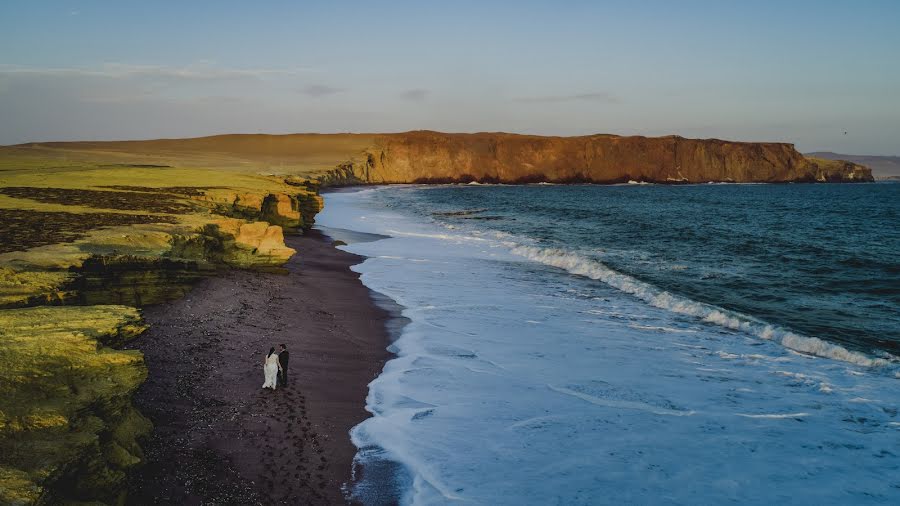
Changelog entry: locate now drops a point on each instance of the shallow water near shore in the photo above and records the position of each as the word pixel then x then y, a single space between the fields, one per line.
pixel 664 345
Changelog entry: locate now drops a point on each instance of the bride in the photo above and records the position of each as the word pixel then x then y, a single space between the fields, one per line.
pixel 270 369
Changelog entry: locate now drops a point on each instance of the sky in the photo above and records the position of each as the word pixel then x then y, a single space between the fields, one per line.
pixel 803 72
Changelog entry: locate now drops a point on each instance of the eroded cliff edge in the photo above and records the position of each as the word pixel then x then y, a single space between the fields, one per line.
pixel 435 157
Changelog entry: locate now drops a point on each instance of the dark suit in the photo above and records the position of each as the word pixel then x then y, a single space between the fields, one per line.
pixel 283 358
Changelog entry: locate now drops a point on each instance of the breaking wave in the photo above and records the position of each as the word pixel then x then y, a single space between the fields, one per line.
pixel 582 266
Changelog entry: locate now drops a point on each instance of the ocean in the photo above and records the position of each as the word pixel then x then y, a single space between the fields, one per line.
pixel 639 344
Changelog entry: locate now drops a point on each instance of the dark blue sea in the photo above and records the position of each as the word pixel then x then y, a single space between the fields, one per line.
pixel 633 344
pixel 821 260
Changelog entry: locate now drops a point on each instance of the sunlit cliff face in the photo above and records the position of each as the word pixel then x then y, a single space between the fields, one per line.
pixel 438 157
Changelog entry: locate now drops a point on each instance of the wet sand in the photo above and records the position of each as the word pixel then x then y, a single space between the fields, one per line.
pixel 220 438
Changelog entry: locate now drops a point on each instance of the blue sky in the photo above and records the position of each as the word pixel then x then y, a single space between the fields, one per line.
pixel 801 72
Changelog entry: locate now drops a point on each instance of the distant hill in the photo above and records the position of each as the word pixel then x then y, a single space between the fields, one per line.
pixel 883 167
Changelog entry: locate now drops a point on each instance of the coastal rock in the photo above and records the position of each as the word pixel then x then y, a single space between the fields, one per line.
pixel 288 210
pixel 434 157
pixel 837 171
pixel 250 244
pixel 281 209
pixel 344 175
pixel 139 264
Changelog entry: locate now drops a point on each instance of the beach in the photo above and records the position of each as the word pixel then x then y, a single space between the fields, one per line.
pixel 219 437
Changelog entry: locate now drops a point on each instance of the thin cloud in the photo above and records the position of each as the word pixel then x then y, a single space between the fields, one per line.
pixel 118 84
pixel 321 90
pixel 151 98
pixel 197 72
pixel 599 96
pixel 417 94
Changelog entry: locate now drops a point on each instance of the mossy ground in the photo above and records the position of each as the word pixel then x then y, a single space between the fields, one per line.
pixel 80 229
pixel 66 397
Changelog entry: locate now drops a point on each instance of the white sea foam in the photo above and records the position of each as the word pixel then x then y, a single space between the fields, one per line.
pixel 661 329
pixel 443 237
pixel 775 415
pixel 621 404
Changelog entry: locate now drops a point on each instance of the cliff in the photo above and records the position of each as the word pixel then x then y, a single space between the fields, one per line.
pixel 434 157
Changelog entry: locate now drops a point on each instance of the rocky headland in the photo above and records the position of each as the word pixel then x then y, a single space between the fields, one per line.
pixel 434 157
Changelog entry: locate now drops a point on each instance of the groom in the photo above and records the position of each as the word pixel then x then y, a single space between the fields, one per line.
pixel 283 357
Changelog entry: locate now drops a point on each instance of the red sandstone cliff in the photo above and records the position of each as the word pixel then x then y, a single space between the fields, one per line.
pixel 424 156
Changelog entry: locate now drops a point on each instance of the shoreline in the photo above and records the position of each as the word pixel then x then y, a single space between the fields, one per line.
pixel 229 440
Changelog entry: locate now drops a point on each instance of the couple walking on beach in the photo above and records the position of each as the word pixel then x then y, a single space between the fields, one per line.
pixel 275 367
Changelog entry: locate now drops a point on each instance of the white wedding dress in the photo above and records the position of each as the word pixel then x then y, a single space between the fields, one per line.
pixel 271 371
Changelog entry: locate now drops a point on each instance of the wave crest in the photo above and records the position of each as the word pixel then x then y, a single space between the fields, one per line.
pixel 581 266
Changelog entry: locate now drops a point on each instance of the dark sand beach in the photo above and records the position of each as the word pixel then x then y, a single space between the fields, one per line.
pixel 220 438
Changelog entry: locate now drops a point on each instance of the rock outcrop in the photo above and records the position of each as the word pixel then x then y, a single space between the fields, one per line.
pixel 434 157
pixel 287 210
pixel 840 171
pixel 138 264
pixel 248 245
